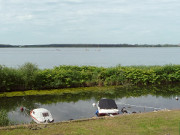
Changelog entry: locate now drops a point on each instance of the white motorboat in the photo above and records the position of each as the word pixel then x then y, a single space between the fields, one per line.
pixel 107 107
pixel 41 115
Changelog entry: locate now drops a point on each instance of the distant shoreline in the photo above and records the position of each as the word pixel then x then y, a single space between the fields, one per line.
pixel 86 45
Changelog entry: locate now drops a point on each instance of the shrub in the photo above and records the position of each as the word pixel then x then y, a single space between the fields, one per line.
pixel 28 76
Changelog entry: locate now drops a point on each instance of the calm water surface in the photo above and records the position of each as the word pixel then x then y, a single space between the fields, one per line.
pixel 77 106
pixel 83 108
pixel 106 57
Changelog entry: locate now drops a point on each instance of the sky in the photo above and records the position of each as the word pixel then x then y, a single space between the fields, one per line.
pixel 29 22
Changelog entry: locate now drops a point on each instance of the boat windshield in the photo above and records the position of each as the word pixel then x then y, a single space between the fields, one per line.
pixel 45 114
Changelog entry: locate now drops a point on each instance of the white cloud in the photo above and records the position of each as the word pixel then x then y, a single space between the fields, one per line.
pixel 75 1
pixel 25 17
pixel 103 17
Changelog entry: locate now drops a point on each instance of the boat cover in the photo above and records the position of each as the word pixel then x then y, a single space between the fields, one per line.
pixel 107 104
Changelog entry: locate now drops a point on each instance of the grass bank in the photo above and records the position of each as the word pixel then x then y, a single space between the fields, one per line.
pixel 30 77
pixel 151 123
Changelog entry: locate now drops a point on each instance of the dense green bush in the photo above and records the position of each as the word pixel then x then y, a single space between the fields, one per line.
pixel 28 76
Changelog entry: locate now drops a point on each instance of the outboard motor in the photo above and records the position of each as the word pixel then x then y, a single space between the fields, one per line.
pixel 50 121
pixel 123 110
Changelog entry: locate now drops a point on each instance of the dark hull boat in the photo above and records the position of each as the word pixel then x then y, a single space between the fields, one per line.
pixel 107 107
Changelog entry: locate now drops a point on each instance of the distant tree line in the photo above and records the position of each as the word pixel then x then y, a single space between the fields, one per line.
pixel 5 46
pixel 90 45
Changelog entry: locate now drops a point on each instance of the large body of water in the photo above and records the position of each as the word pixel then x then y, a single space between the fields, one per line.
pixel 106 57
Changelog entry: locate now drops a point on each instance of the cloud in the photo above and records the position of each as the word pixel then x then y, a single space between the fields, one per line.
pixel 74 1
pixel 25 17
pixel 96 18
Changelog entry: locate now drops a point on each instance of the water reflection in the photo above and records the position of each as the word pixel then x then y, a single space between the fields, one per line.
pixel 76 106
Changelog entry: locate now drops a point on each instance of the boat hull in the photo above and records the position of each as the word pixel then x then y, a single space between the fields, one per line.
pixel 107 112
pixel 37 116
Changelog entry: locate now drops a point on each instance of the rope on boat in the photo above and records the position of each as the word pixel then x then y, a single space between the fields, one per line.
pixel 27 109
pixel 26 113
pixel 155 108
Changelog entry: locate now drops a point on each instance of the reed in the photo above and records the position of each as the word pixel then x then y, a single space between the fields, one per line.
pixel 4 121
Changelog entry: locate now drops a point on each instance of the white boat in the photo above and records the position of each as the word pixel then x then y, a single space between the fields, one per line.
pixel 107 107
pixel 41 115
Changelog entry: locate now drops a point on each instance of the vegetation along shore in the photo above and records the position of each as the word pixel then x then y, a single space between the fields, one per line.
pixel 29 76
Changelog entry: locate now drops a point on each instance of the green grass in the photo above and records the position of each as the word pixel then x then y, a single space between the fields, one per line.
pixel 153 123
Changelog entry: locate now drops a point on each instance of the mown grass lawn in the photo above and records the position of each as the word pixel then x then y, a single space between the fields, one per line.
pixel 152 123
